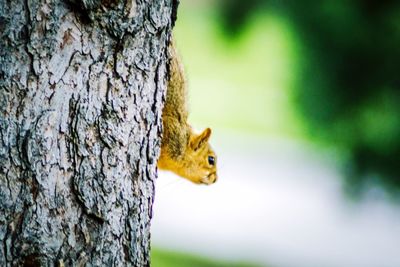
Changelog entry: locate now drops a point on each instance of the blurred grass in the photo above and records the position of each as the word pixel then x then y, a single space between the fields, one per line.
pixel 242 84
pixel 163 258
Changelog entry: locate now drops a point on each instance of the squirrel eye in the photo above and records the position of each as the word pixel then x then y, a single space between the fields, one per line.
pixel 211 160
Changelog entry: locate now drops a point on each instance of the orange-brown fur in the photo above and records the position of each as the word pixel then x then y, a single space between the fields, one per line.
pixel 182 151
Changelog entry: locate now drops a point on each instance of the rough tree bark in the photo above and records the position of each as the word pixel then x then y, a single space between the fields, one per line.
pixel 81 90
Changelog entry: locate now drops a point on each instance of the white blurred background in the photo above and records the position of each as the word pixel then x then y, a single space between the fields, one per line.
pixel 276 203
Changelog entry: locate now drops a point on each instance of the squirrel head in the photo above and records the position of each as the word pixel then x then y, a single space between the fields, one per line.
pixel 200 161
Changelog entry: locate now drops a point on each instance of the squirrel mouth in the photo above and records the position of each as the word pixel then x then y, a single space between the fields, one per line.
pixel 209 179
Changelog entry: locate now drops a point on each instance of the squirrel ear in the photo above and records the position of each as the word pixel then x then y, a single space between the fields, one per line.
pixel 201 139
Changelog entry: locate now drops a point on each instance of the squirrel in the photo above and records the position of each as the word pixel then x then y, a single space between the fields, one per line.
pixel 183 152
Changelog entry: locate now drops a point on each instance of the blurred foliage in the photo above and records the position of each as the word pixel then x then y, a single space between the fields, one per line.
pixel 226 90
pixel 348 87
pixel 162 258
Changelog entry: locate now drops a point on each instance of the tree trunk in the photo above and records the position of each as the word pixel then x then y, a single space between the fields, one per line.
pixel 81 91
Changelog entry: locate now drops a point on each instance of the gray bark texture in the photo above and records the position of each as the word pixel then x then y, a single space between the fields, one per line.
pixel 82 87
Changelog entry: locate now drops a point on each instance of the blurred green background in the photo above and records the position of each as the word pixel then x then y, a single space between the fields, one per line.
pixel 165 258
pixel 319 72
pixel 322 71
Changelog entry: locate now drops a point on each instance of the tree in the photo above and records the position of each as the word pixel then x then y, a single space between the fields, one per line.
pixel 81 91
